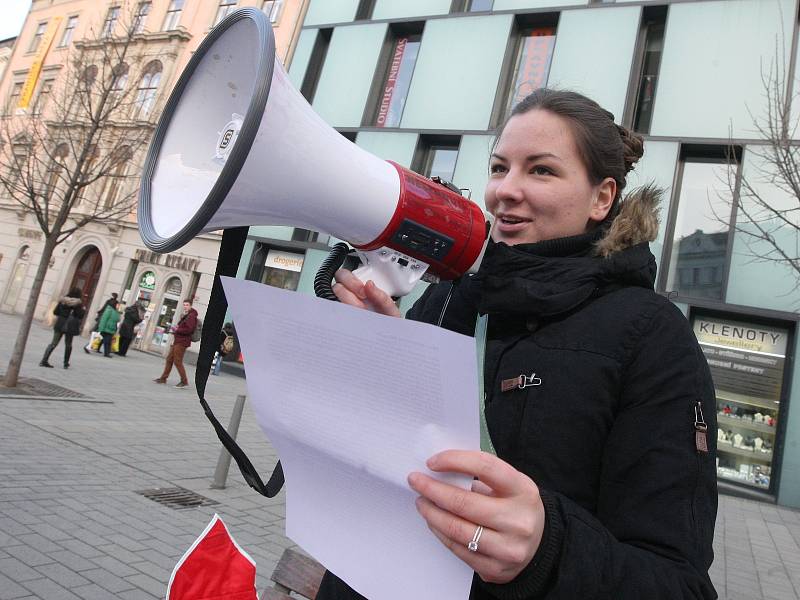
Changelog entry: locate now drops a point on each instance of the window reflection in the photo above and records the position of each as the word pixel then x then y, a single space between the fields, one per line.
pixel 700 235
pixel 398 81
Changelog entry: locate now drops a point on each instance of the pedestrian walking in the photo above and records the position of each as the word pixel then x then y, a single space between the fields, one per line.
pixel 182 339
pixel 108 326
pixel 227 342
pixel 95 329
pixel 69 312
pixel 131 317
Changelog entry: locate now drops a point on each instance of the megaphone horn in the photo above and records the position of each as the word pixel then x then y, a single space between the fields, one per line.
pixel 237 145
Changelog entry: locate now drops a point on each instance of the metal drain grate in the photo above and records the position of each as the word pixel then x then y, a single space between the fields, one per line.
pixel 178 498
pixel 30 386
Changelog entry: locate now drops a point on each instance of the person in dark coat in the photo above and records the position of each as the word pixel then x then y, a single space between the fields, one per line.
pixel 182 333
pixel 599 478
pixel 131 317
pixel 69 311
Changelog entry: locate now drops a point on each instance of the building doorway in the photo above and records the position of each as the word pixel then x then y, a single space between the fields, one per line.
pixel 87 274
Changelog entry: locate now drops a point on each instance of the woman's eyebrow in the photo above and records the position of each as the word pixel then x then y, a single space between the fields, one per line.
pixel 539 156
pixel 530 157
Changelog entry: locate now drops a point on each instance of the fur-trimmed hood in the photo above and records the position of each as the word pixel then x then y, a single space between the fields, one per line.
pixel 637 221
pixel 70 301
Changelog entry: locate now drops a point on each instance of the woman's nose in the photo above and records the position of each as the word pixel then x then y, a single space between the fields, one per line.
pixel 509 188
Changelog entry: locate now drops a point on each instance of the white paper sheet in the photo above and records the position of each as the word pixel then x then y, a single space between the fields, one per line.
pixel 353 402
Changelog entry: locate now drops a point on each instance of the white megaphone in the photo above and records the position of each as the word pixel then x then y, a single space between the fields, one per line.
pixel 238 145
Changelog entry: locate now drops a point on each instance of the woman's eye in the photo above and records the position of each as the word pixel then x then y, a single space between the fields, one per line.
pixel 497 169
pixel 540 170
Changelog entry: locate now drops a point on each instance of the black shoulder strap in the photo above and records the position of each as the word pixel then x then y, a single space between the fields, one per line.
pixel 229 254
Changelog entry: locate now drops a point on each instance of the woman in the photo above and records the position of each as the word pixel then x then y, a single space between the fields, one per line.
pixel 604 483
pixel 107 326
pixel 132 316
pixel 69 312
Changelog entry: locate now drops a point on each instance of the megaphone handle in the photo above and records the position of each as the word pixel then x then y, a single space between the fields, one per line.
pixel 392 271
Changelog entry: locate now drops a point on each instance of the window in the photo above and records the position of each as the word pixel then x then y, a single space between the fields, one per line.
pixel 436 156
pixel 44 94
pixel 119 160
pixel 532 63
pixel 272 8
pixel 37 36
pixel 471 6
pixel 278 268
pixel 695 261
pixel 13 99
pixel 364 10
pixel 120 77
pixel 87 79
pixel 651 45
pixel 119 82
pixel 146 92
pixel 479 5
pixel 69 30
pixel 226 7
pixel 54 173
pixel 111 21
pixel 173 15
pixel 395 72
pixel 141 16
pixel 318 53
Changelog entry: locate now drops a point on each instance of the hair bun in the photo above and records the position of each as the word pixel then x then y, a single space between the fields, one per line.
pixel 632 147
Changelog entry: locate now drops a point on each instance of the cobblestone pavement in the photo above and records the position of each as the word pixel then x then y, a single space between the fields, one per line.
pixel 72 525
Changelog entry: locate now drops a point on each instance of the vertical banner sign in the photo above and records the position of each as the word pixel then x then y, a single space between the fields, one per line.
pixel 36 67
pixel 391 82
pixel 534 62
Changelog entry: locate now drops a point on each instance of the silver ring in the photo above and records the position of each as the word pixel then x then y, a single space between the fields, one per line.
pixel 472 546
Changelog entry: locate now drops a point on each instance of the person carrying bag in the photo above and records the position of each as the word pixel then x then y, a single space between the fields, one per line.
pixel 69 311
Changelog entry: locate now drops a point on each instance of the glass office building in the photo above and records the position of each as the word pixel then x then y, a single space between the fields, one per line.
pixel 426 82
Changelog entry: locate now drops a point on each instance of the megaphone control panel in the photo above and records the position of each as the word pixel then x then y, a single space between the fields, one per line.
pixel 422 240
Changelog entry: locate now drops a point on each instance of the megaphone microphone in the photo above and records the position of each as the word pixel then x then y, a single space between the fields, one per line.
pixel 237 145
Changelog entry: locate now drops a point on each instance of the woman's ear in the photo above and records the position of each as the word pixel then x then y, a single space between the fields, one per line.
pixel 606 191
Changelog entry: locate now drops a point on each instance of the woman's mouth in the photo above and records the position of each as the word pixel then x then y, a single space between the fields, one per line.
pixel 510 223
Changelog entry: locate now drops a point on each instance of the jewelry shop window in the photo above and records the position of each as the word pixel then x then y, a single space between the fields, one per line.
pixel 747 362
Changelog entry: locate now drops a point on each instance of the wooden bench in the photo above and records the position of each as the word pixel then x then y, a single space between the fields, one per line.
pixel 295 573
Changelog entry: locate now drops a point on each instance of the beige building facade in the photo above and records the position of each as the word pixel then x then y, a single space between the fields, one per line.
pixel 110 257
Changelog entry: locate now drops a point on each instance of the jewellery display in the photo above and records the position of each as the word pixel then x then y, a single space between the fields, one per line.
pixel 747 362
pixel 472 546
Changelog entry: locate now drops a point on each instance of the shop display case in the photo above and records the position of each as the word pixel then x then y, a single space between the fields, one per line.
pixel 747 363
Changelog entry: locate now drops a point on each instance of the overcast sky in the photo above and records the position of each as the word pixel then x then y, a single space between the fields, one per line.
pixel 12 16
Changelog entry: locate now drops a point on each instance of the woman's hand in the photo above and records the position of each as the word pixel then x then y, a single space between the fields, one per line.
pixel 503 500
pixel 351 290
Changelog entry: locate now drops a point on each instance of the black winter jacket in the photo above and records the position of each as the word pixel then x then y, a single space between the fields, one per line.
pixel 69 312
pixel 608 434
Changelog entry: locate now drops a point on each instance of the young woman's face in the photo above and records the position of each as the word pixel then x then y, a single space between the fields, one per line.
pixel 538 187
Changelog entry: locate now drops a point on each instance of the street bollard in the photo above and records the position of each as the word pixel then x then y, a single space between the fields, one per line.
pixel 224 462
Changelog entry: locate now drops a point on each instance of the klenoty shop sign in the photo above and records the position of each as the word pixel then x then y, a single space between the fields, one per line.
pixel 745 358
pixel 741 335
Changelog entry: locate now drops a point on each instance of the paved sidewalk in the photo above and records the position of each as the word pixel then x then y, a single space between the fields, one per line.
pixel 72 525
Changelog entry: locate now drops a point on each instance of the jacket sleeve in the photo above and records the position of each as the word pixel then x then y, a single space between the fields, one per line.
pixel 652 532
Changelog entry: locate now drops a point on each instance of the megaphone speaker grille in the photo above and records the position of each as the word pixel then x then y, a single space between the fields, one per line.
pixel 206 130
